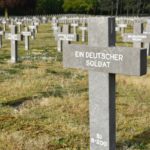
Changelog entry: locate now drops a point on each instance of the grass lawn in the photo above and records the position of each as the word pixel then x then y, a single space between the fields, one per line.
pixel 45 107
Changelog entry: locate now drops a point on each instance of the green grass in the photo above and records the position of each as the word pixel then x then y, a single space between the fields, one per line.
pixel 45 107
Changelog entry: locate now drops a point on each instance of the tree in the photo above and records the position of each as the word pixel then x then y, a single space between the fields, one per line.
pixel 77 6
pixel 29 6
pixel 94 5
pixel 11 4
pixel 98 7
pixel 6 4
pixel 49 6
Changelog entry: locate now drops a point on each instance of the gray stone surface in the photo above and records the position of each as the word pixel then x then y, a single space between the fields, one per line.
pixel 147 46
pixel 100 31
pixel 102 111
pixel 117 60
pixel 137 29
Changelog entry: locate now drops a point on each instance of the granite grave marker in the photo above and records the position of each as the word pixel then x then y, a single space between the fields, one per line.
pixel 103 60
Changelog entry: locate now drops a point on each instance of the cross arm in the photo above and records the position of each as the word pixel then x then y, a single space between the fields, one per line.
pixel 130 37
pixel 116 60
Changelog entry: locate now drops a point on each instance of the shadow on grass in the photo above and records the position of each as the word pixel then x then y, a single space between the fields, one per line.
pixel 55 71
pixel 57 91
pixel 53 46
pixel 17 102
pixel 2 62
pixel 139 141
pixel 4 57
pixel 20 66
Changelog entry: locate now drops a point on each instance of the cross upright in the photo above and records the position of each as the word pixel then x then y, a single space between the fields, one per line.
pixel 55 29
pixel 83 29
pixel 74 25
pixel 19 26
pixel 137 34
pixel 59 42
pixel 1 38
pixel 103 60
pixel 33 31
pixel 26 35
pixel 147 28
pixel 4 25
pixel 147 32
pixel 37 26
pixel 14 37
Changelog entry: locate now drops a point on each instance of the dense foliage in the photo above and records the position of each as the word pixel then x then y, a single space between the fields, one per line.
pixel 17 6
pixel 106 7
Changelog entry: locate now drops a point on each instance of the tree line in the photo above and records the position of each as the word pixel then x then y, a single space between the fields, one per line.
pixel 96 7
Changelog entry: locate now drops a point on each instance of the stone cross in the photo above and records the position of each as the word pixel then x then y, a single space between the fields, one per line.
pixel 103 61
pixel 83 29
pixel 1 38
pixel 147 28
pixel 26 35
pixel 14 37
pixel 117 29
pixel 147 32
pixel 54 20
pixel 75 25
pixel 137 29
pixel 122 28
pixel 11 21
pixel 137 37
pixel 44 20
pixel 19 26
pixel 4 25
pixel 55 29
pixel 33 31
pixel 37 26
pixel 59 42
pixel 66 36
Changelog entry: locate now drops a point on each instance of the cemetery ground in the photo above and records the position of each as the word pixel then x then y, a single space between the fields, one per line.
pixel 45 107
